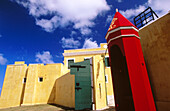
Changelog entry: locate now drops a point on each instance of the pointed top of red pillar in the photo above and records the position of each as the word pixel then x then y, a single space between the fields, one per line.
pixel 119 21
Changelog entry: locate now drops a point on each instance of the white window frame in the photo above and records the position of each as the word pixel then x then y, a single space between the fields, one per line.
pixel 68 60
pixel 107 57
pixel 87 57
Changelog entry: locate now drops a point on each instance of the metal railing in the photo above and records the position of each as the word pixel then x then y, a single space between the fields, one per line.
pixel 144 17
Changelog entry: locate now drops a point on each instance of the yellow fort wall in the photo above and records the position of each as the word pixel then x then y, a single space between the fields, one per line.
pixel 12 91
pixel 58 86
pixel 102 97
pixel 99 83
pixel 37 92
pixel 29 94
pixel 65 91
pixel 109 87
pixel 45 90
pixel 80 58
pixel 109 97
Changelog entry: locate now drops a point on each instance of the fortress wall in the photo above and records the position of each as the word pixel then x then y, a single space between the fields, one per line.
pixel 109 86
pixel 45 89
pixel 65 91
pixel 155 41
pixel 99 82
pixel 41 92
pixel 12 91
pixel 29 94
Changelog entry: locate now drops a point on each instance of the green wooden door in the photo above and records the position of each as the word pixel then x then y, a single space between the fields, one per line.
pixel 83 90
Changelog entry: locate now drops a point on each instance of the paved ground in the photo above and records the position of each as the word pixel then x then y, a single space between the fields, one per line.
pixel 44 107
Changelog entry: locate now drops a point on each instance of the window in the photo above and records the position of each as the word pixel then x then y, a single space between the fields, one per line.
pixel 69 62
pixel 106 78
pixel 24 80
pixel 107 64
pixel 40 79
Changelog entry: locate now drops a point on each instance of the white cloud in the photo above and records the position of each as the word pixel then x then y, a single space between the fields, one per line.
pixel 45 57
pixel 159 6
pixel 133 12
pixel 79 38
pixel 73 33
pixel 48 25
pixel 89 43
pixel 80 13
pixel 60 55
pixel 109 19
pixel 85 31
pixel 119 1
pixel 70 43
pixel 3 60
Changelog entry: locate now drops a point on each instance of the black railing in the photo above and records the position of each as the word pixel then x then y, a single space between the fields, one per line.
pixel 144 17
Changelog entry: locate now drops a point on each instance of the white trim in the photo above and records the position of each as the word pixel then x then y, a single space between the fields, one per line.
pixel 107 56
pixel 110 99
pixel 119 28
pixel 92 85
pixel 87 57
pixel 84 53
pixel 120 36
pixel 68 60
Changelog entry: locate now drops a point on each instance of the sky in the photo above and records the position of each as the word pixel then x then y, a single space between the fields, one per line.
pixel 38 31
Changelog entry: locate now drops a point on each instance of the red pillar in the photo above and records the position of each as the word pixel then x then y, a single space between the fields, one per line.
pixel 124 34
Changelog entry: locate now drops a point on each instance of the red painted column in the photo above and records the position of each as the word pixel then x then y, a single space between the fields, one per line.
pixel 125 35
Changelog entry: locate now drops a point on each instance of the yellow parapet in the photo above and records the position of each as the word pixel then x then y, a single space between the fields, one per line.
pixel 20 62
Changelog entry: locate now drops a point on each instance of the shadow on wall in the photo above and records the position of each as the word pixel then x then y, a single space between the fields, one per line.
pixel 23 89
pixel 98 68
pixel 52 95
pixel 63 92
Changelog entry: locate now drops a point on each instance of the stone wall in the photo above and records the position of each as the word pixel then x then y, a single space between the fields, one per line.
pixel 155 41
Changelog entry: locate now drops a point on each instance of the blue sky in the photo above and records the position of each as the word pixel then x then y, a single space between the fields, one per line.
pixel 38 31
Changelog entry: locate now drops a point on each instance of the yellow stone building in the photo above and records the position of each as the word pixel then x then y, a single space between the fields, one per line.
pixel 53 83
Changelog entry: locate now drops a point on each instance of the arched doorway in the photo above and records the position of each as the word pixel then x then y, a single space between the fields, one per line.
pixel 121 82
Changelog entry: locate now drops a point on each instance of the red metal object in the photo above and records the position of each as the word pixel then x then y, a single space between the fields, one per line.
pixel 124 34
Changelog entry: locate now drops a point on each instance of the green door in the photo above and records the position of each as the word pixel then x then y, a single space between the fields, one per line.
pixel 83 90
